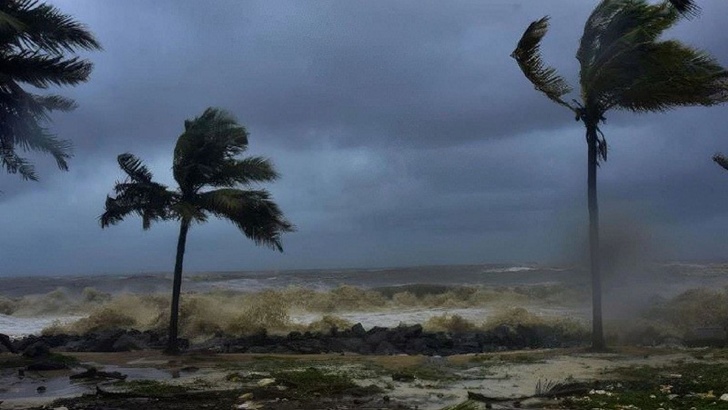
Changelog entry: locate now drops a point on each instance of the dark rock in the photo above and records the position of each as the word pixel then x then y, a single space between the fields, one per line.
pixel 37 350
pixel 6 344
pixel 707 336
pixel 42 365
pixel 401 334
pixel 295 336
pixel 349 344
pixel 128 342
pixel 308 346
pixel 386 348
pixel 376 335
pixel 358 330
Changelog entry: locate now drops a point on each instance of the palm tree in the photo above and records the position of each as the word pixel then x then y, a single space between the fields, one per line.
pixel 34 38
pixel 211 180
pixel 623 65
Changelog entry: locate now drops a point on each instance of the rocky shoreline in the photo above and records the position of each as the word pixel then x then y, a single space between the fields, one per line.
pixel 411 340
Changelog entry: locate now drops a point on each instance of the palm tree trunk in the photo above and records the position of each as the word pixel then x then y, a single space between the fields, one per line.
pixel 172 345
pixel 596 279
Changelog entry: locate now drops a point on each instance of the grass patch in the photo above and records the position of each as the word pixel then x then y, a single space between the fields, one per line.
pixel 315 381
pixel 152 388
pixel 425 372
pixel 682 386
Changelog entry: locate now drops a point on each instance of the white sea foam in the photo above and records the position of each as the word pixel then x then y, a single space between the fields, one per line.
pixel 17 327
pixel 510 269
pixel 393 318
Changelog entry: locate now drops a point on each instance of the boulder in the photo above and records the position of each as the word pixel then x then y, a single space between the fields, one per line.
pixel 37 350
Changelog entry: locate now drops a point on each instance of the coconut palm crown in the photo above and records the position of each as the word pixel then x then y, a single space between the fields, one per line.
pixel 212 181
pixel 35 39
pixel 625 65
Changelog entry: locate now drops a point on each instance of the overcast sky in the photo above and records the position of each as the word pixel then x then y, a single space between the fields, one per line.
pixel 404 133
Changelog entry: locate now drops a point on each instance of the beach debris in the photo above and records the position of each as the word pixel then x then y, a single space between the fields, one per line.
pixel 552 389
pixel 403 377
pixel 724 397
pixel 248 405
pixel 266 382
pixel 94 373
pixel 246 396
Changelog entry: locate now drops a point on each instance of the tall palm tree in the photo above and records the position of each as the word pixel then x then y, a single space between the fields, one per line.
pixel 212 180
pixel 623 65
pixel 34 40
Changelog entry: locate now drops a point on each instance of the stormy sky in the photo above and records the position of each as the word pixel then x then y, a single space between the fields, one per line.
pixel 404 133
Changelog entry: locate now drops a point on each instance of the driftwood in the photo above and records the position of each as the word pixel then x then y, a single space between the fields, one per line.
pixel 543 390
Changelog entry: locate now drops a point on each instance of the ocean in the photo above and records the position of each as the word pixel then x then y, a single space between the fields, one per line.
pixel 284 300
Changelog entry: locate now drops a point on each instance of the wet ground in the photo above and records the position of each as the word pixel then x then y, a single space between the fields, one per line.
pixel 248 381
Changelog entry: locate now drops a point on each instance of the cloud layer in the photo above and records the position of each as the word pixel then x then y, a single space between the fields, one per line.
pixel 404 133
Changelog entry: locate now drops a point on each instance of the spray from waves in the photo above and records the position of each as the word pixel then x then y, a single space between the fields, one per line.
pixel 295 308
pixel 437 307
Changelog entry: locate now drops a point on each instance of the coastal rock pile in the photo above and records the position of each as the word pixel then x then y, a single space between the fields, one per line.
pixel 412 340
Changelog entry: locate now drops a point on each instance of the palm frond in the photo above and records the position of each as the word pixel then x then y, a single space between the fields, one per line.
pixel 614 32
pixel 9 23
pixel 686 7
pixel 232 172
pixel 21 125
pixel 138 195
pixel 528 56
pixel 42 71
pixel 252 211
pixel 54 102
pixel 134 168
pixel 46 28
pixel 15 164
pixel 552 388
pixel 209 141
pixel 666 75
pixel 721 160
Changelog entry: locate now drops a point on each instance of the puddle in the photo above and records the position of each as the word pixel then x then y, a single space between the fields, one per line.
pixel 46 386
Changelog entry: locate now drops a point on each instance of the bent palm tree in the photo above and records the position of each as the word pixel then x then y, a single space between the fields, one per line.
pixel 623 65
pixel 209 174
pixel 33 40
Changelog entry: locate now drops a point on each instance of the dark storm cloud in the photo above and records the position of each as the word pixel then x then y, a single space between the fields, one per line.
pixel 404 132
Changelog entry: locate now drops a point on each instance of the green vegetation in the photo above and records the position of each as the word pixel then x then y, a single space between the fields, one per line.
pixel 315 381
pixel 206 156
pixel 682 386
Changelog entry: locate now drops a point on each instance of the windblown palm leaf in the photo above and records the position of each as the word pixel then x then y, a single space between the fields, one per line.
pixel 687 7
pixel 34 38
pixel 138 194
pixel 528 56
pixel 624 65
pixel 721 160
pixel 207 156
